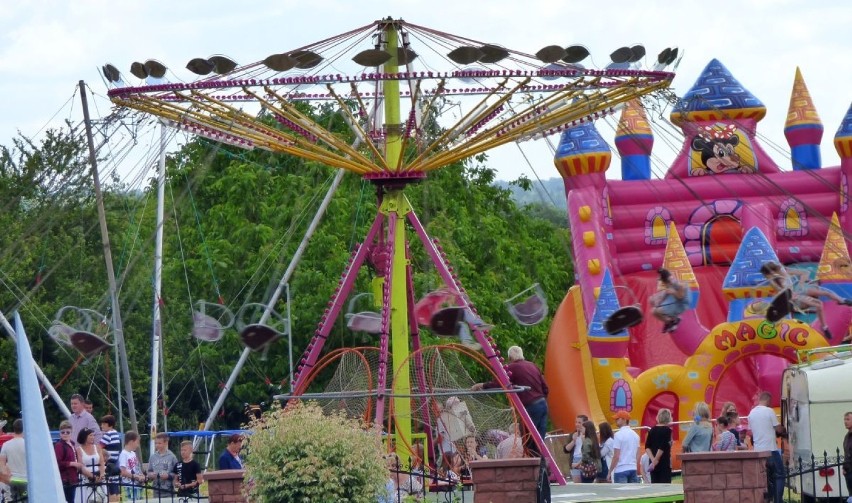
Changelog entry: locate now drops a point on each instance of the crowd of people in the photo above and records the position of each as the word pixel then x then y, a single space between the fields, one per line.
pixel 606 457
pixel 96 463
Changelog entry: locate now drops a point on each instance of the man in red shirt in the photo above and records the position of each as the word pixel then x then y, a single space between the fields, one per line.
pixel 525 373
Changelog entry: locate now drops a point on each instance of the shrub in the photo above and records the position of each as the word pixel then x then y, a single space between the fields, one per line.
pixel 300 454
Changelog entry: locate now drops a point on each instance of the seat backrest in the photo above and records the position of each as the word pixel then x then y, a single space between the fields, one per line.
pixel 446 321
pixel 529 312
pixel 206 327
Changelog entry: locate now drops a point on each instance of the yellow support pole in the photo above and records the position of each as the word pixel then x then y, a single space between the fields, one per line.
pixel 390 87
pixel 395 201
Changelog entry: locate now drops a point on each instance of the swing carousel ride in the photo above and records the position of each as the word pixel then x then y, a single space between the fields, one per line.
pixel 408 75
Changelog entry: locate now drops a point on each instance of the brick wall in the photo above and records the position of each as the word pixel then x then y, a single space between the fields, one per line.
pixel 738 476
pixel 505 480
pixel 225 486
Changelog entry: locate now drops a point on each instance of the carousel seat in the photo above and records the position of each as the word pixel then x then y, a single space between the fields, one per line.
pixel 622 319
pixel 88 344
pixel 206 328
pixel 257 336
pixel 781 306
pixel 446 322
pixel 532 310
pixel 365 321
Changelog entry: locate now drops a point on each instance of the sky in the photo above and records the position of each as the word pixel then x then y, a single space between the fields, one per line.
pixel 47 46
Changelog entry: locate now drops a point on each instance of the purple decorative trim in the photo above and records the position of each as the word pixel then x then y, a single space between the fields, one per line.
pixel 386 314
pixel 296 128
pixel 335 305
pixel 451 281
pixel 615 75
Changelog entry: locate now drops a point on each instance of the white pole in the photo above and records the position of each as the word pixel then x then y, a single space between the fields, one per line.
pixel 42 471
pixel 290 338
pixel 41 377
pixel 158 283
pixel 118 328
pixel 275 296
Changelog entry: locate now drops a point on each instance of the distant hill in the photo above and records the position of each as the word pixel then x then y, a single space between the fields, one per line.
pixel 550 192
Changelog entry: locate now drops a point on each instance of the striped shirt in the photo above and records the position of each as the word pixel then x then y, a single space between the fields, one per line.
pixel 111 442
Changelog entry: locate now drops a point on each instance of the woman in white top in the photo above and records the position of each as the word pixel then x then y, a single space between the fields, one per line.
pixel 606 441
pixel 92 465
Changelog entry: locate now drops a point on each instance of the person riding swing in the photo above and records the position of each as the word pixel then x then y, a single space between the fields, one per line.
pixel 671 299
pixel 794 285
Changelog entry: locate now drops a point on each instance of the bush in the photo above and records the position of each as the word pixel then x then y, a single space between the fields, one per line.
pixel 300 454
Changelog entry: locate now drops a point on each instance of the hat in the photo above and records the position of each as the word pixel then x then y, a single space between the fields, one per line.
pixel 622 414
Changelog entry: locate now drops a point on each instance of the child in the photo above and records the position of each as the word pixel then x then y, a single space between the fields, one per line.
pixel 187 472
pixel 131 468
pixel 671 299
pixel 645 461
pixel 804 295
pixel 111 444
pixel 725 440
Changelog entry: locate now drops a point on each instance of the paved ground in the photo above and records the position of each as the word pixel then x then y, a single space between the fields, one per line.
pixel 576 493
pixel 617 492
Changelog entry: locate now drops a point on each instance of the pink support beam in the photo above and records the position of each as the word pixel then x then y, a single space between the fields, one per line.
pixel 384 345
pixel 487 346
pixel 336 304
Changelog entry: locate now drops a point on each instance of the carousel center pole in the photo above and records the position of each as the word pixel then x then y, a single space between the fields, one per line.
pixel 395 205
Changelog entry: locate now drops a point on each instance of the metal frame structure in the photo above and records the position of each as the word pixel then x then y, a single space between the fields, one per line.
pixel 397 114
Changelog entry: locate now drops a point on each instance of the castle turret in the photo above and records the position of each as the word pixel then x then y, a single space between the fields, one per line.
pixel 582 157
pixel 719 119
pixel 634 141
pixel 803 128
pixel 717 96
pixel 843 140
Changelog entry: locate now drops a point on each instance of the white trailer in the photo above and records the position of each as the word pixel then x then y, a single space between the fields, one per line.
pixel 814 398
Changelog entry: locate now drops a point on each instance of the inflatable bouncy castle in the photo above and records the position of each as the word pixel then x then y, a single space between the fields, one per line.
pixel 722 210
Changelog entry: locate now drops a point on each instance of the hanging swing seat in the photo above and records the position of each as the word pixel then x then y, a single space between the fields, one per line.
pixel 625 317
pixel 622 319
pixel 75 327
pixel 89 344
pixel 206 327
pixel 60 333
pixel 532 309
pixel 447 321
pixel 431 303
pixel 259 336
pixel 363 321
pixel 781 306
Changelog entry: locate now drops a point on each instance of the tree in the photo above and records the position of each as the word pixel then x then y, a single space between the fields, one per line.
pixel 234 218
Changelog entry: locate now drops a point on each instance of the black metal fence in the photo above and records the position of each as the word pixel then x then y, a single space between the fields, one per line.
pixel 100 491
pixel 816 478
pixel 408 485
pixel 415 484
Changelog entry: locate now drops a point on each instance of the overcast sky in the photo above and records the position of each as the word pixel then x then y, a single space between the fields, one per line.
pixel 48 45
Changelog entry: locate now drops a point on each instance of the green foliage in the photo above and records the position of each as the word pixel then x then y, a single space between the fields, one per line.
pixel 234 219
pixel 300 454
pixel 546 192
